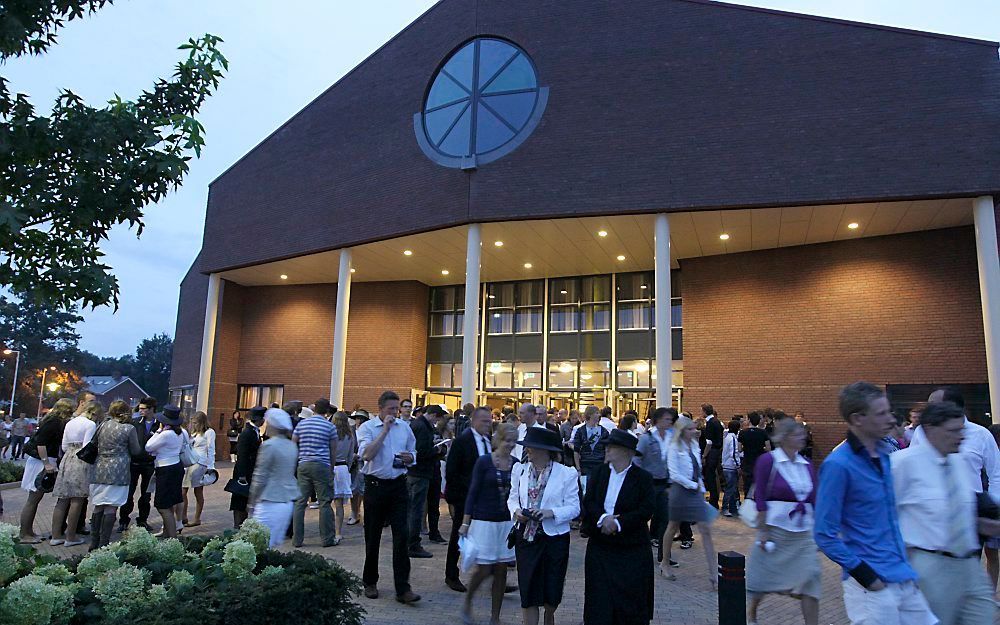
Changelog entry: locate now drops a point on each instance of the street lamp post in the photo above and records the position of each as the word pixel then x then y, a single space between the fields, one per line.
pixel 13 387
pixel 41 391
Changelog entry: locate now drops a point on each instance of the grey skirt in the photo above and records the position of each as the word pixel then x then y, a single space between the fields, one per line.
pixel 687 506
pixel 791 569
pixel 73 480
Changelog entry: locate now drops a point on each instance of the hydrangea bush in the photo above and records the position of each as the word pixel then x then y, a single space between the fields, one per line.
pixel 175 582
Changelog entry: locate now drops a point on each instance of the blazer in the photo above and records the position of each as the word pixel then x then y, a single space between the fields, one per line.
pixel 427 455
pixel 562 495
pixel 247 446
pixel 140 429
pixel 458 468
pixel 274 475
pixel 634 506
pixel 681 469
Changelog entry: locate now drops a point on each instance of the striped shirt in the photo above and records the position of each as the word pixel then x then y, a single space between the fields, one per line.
pixel 314 435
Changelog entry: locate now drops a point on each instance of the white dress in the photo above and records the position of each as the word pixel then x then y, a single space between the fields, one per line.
pixel 204 447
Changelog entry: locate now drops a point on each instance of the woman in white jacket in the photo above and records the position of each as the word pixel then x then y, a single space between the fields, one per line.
pixel 543 500
pixel 203 444
pixel 687 494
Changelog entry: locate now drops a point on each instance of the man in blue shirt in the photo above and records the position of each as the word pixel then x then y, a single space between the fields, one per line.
pixel 856 522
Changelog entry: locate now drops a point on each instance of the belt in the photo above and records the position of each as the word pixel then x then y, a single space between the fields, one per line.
pixel 661 481
pixel 948 554
pixel 340 464
pixel 371 479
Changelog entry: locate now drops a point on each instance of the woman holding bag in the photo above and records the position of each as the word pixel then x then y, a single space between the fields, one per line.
pixel 73 483
pixel 203 443
pixel 165 447
pixel 544 498
pixel 784 558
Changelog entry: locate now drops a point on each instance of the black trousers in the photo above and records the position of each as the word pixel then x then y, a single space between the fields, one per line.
pixel 457 512
pixel 747 480
pixel 434 504
pixel 141 475
pixel 387 500
pixel 711 475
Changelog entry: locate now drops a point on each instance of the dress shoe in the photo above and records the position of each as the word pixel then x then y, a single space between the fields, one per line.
pixel 420 553
pixel 438 539
pixel 122 527
pixel 687 544
pixel 456 585
pixel 408 597
pixel 509 589
pixel 371 591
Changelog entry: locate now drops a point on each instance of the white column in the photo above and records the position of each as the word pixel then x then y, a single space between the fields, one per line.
pixel 470 321
pixel 340 330
pixel 989 290
pixel 208 342
pixel 661 263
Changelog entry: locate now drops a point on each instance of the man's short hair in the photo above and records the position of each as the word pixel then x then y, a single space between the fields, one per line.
pixel 407 399
pixel 149 402
pixel 663 411
pixel 707 409
pixel 386 397
pixel 486 409
pixel 953 395
pixel 938 412
pixel 322 406
pixel 754 418
pixel 606 412
pixel 855 398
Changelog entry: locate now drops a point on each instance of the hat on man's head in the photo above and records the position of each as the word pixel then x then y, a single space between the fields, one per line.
pixel 541 438
pixel 257 413
pixel 435 409
pixel 171 415
pixel 622 438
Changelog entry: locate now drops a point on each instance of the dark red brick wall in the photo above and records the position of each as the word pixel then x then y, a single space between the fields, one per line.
pixel 789 327
pixel 225 361
pixel 190 325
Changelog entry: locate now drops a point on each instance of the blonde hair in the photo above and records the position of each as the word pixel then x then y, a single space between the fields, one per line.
pixel 198 423
pixel 680 425
pixel 93 410
pixel 120 411
pixel 342 425
pixel 503 431
pixel 63 409
pixel 591 411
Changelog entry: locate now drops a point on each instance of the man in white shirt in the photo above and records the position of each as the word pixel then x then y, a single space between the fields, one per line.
pixel 526 415
pixel 387 447
pixel 978 445
pixel 606 421
pixel 937 508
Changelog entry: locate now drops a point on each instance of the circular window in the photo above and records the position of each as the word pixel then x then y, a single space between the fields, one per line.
pixel 482 104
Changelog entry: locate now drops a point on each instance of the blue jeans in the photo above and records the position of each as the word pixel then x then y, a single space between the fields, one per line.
pixel 731 500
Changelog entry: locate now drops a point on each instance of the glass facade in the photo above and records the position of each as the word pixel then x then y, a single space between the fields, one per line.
pixel 252 395
pixel 588 318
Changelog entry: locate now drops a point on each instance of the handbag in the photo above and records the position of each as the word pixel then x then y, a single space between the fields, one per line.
pixel 238 486
pixel 748 509
pixel 88 453
pixel 187 455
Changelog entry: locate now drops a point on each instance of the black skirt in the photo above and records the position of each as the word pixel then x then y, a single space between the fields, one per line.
pixel 614 598
pixel 541 569
pixel 169 480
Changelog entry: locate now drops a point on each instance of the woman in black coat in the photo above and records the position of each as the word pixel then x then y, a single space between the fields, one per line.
pixel 246 460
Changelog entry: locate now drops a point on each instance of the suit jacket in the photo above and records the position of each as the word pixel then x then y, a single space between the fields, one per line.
pixel 562 495
pixel 427 456
pixel 247 446
pixel 635 504
pixel 458 468
pixel 140 429
pixel 274 475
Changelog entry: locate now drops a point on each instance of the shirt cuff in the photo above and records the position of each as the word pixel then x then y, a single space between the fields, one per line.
pixel 864 574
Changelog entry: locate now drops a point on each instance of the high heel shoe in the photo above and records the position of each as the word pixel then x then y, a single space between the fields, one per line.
pixel 714 583
pixel 667 574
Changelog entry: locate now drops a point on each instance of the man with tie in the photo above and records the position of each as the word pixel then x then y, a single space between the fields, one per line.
pixel 387 447
pixel 938 518
pixel 468 446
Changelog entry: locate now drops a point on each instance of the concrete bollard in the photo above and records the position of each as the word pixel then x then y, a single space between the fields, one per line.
pixel 732 588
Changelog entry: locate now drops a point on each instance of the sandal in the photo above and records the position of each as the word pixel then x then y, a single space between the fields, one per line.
pixel 30 540
pixel 73 543
pixel 195 524
pixel 352 521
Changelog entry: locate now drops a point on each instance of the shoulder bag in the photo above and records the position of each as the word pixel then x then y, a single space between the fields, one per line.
pixel 748 509
pixel 88 453
pixel 187 455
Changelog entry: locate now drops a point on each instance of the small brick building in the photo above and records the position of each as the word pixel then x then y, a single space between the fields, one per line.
pixel 491 206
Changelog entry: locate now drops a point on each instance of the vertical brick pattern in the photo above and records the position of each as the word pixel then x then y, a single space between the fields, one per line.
pixel 789 327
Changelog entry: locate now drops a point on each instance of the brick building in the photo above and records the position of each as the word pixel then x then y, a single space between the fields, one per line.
pixel 490 207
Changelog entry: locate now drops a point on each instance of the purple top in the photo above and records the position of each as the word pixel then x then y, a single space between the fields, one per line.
pixel 780 490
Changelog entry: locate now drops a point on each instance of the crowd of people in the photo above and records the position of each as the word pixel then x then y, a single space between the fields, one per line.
pixel 902 505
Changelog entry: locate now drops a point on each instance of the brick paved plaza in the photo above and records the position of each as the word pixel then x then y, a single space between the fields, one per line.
pixel 688 601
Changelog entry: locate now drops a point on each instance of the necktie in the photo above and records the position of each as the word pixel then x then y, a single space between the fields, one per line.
pixel 957 527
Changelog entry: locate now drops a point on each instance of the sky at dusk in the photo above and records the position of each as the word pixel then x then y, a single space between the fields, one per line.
pixel 282 55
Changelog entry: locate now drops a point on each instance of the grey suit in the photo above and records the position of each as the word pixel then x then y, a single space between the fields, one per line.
pixel 274 475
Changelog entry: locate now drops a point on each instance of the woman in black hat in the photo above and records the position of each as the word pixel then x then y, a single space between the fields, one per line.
pixel 543 499
pixel 616 512
pixel 165 447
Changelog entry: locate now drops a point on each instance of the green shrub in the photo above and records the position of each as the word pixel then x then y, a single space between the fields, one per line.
pixel 31 600
pixel 10 472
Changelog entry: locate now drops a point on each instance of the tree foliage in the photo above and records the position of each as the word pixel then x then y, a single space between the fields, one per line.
pixel 67 178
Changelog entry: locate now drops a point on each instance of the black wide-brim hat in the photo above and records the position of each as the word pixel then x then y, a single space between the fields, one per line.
pixel 171 415
pixel 541 438
pixel 624 439
pixel 46 481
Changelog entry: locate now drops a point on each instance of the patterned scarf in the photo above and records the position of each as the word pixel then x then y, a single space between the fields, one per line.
pixel 536 488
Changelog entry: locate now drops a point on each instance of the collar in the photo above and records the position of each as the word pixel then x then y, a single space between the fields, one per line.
pixel 709 418
pixel 616 473
pixel 857 446
pixel 780 456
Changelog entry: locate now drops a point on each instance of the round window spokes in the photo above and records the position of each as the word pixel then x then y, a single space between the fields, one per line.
pixel 463 121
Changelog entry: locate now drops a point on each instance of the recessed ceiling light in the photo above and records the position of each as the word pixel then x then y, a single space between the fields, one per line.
pixel 602 233
pixel 284 277
pixel 498 243
pixel 854 225
pixel 407 252
pixel 353 269
pixel 492 296
pixel 445 272
pixel 496 315
pixel 724 236
pixel 563 292
pixel 527 265
pixel 642 286
pixel 621 257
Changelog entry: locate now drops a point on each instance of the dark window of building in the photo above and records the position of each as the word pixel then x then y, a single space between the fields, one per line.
pixel 447 307
pixel 252 395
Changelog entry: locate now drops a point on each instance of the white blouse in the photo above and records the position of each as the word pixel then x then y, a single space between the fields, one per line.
pixel 165 446
pixel 679 464
pixel 78 430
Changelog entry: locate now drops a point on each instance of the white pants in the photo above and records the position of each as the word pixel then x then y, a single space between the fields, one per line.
pixel 958 590
pixel 896 604
pixel 276 515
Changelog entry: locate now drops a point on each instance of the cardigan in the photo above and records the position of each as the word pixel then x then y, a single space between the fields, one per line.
pixel 485 501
